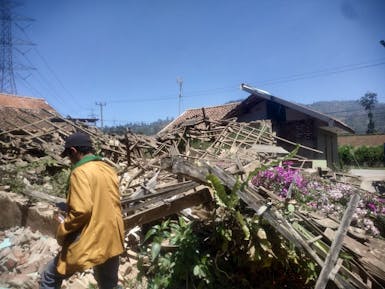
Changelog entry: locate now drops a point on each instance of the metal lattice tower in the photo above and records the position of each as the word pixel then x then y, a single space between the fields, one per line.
pixel 7 81
pixel 8 45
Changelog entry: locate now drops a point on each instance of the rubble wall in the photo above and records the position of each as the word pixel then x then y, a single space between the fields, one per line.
pixel 17 210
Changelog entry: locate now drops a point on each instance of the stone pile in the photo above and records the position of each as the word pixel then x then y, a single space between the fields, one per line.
pixel 24 254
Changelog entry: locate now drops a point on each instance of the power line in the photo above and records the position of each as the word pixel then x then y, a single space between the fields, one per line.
pixel 306 75
pixel 294 77
pixel 47 83
pixel 320 73
pixel 30 86
pixel 55 76
pixel 143 99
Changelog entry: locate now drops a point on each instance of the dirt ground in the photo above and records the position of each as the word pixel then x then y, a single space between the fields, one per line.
pixel 368 176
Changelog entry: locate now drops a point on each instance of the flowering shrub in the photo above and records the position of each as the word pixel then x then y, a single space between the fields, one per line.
pixel 322 195
pixel 278 179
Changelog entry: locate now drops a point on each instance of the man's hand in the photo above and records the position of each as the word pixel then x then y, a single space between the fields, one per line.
pixel 57 216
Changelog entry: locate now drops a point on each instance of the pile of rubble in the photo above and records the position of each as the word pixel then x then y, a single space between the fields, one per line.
pixel 24 254
pixel 165 175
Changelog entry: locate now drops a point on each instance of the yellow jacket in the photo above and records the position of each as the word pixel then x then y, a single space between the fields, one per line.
pixel 93 230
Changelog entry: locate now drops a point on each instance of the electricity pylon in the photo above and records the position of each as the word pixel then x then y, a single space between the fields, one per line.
pixel 7 45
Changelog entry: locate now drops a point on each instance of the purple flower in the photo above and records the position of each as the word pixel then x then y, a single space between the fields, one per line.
pixel 372 207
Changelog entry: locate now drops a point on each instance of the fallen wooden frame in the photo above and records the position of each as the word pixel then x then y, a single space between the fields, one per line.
pixel 199 170
pixel 167 208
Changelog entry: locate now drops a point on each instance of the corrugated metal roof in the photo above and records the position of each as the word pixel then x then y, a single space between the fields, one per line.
pixel 256 93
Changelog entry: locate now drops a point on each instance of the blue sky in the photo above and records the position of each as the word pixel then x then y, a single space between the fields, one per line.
pixel 128 54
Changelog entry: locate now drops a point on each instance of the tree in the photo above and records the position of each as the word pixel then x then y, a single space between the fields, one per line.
pixel 368 102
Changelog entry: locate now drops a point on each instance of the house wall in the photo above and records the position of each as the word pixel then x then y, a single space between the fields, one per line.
pixel 302 131
pixel 362 140
pixel 297 127
pixel 256 112
pixel 294 115
pixel 327 142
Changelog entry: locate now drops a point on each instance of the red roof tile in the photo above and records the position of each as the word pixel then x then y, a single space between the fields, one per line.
pixel 212 113
pixel 13 101
pixel 17 111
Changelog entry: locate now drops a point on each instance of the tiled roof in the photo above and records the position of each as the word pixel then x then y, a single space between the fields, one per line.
pixel 212 113
pixel 13 101
pixel 17 111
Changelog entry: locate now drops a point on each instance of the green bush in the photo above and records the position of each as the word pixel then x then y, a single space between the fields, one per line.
pixel 345 155
pixel 367 156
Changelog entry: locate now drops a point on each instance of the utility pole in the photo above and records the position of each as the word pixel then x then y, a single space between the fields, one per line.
pixel 101 112
pixel 179 80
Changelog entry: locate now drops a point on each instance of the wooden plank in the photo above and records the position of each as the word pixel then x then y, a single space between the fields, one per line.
pixel 200 170
pixel 336 246
pixel 179 188
pixel 130 207
pixel 261 148
pixel 28 132
pixel 51 123
pixel 371 260
pixel 354 246
pixel 301 146
pixel 168 208
pixel 43 196
pixel 72 123
pixel 26 125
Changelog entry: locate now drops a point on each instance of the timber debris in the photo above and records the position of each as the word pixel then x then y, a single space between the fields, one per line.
pixel 165 175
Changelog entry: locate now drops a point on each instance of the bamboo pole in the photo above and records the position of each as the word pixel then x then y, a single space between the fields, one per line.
pixel 336 246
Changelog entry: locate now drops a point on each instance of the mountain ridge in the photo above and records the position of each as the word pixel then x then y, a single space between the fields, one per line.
pixel 352 113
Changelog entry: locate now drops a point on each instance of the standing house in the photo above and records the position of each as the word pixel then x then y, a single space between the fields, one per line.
pixel 294 122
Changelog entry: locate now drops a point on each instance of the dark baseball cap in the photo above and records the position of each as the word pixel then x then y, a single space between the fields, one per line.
pixel 78 139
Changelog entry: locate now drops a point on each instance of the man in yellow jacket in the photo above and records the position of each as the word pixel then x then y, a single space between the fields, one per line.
pixel 92 232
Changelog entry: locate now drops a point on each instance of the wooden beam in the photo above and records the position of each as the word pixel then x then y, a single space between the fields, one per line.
pixel 199 171
pixel 168 208
pixel 336 246
pixel 24 126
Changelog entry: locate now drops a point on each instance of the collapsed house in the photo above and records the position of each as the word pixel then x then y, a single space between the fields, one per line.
pixel 292 122
pixel 165 175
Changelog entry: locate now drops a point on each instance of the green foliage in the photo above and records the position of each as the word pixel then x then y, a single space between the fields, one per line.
pixel 10 177
pixel 43 175
pixel 367 156
pixel 151 128
pixel 368 101
pixel 225 199
pixel 231 249
pixel 345 155
pixel 172 270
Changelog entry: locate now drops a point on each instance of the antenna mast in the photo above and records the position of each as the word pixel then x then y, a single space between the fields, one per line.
pixel 179 80
pixel 101 112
